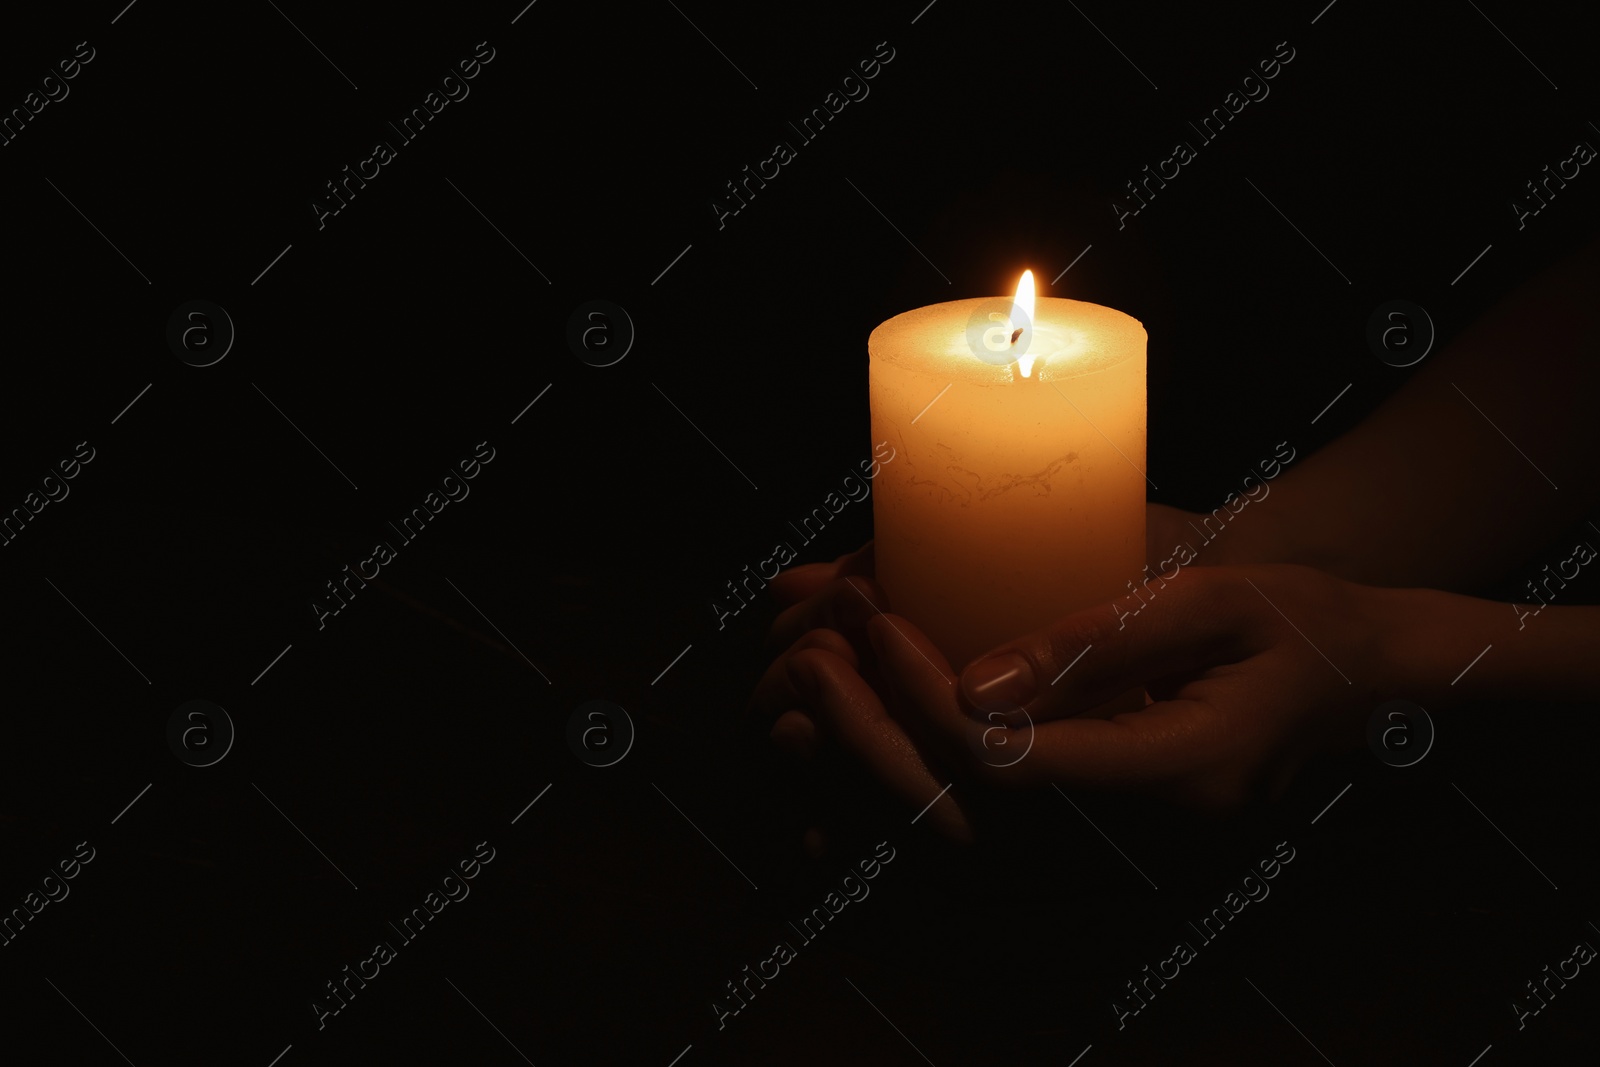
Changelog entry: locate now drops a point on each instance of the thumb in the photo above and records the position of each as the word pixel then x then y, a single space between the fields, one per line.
pixel 1103 654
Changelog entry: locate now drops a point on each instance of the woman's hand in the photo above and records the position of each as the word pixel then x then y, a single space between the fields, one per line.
pixel 1252 670
pixel 827 605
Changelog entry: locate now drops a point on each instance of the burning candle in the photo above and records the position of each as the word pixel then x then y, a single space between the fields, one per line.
pixel 1017 493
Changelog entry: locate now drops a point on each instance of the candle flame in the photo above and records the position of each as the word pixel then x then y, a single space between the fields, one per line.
pixel 1022 312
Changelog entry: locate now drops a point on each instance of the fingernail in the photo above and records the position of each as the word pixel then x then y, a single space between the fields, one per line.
pixel 796 734
pixel 998 680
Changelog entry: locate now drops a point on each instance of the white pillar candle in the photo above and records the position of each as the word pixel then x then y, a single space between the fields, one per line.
pixel 1017 492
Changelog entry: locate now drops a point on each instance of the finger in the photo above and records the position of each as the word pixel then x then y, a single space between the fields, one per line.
pixel 1198 619
pixel 1164 745
pixel 775 693
pixel 796 734
pixel 843 604
pixel 924 687
pixel 851 713
pixel 797 583
pixel 987 751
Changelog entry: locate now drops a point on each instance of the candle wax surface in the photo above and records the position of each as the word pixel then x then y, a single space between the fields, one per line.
pixel 1012 501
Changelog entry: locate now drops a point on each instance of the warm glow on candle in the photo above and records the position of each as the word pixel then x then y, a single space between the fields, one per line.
pixel 1022 312
pixel 1036 443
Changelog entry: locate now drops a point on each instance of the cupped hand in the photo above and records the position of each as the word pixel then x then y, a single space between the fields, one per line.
pixel 1251 671
pixel 827 605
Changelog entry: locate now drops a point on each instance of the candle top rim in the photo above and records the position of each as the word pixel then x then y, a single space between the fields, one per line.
pixel 1072 338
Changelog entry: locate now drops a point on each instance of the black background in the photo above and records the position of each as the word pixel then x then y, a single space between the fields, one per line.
pixel 407 329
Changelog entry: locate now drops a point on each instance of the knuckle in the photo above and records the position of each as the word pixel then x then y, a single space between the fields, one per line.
pixel 811 659
pixel 1065 640
pixel 823 638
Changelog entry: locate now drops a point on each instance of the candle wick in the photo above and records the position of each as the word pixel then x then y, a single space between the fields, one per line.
pixel 1016 334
